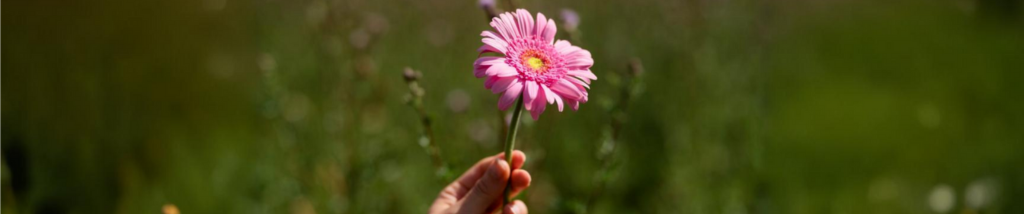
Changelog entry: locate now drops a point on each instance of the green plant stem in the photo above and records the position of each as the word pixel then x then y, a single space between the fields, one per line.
pixel 512 5
pixel 510 142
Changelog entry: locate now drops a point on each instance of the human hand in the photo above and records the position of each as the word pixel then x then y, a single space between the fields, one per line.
pixel 480 189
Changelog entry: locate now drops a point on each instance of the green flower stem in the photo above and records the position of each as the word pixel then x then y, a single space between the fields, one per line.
pixel 510 142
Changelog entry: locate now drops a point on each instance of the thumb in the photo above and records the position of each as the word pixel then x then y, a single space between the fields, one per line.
pixel 489 188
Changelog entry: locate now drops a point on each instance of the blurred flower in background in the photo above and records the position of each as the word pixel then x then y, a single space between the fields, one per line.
pixel 942 198
pixel 458 100
pixel 570 19
pixel 980 193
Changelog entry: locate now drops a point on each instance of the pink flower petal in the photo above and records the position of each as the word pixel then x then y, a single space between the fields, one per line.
pixel 562 44
pixel 550 95
pixel 579 63
pixel 512 73
pixel 525 22
pixel 510 96
pixel 575 105
pixel 489 60
pixel 576 58
pixel 585 94
pixel 499 43
pixel 580 83
pixel 582 74
pixel 580 53
pixel 490 82
pixel 510 25
pixel 567 89
pixel 538 106
pixel 491 45
pixel 541 23
pixel 558 101
pixel 549 34
pixel 530 94
pixel 478 71
pixel 488 48
pixel 572 50
pixel 503 83
pixel 499 25
pixel 492 35
pixel 501 69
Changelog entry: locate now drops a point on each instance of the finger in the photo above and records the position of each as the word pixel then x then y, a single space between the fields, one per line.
pixel 517 207
pixel 489 188
pixel 520 181
pixel 468 179
pixel 440 205
pixel 518 158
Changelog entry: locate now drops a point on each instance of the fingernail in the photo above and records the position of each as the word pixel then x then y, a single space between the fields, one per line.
pixel 497 167
pixel 502 164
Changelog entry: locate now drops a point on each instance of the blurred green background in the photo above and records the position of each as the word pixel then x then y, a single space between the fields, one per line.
pixel 743 106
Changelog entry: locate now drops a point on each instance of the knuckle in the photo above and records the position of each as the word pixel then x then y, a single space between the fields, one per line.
pixel 486 188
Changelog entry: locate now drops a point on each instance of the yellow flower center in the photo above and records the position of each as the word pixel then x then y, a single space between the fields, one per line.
pixel 535 63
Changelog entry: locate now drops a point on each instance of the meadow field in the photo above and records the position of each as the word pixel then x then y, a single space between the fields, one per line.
pixel 700 106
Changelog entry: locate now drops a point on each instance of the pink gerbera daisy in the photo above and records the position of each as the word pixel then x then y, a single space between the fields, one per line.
pixel 543 70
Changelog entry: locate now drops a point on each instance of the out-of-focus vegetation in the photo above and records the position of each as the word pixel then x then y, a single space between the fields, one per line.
pixel 744 106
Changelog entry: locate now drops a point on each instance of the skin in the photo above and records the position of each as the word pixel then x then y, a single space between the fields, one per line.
pixel 479 189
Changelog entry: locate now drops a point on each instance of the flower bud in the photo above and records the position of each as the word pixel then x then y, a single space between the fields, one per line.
pixel 410 75
pixel 571 19
pixel 489 7
pixel 486 4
